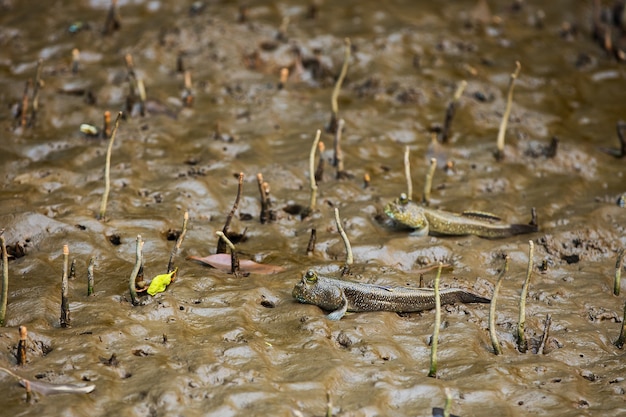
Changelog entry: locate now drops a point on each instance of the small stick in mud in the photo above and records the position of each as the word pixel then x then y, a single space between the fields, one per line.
pixel 310 248
pixel 29 393
pixel 24 109
pixel 332 126
pixel 141 89
pixel 435 339
pixel 448 406
pixel 284 76
pixel 329 405
pixel 337 153
pixel 113 21
pixel 221 243
pixel 107 170
pixel 21 345
pixel 621 128
pixel 319 171
pixel 619 343
pixel 450 112
pixel 428 183
pixel 407 173
pixel 313 183
pixel 106 125
pixel 346 243
pixel 132 281
pixel 234 258
pixel 522 344
pixel 619 263
pixel 73 269
pixel 266 205
pixel 36 88
pixel 187 91
pixel 65 302
pixel 366 180
pixel 492 309
pixel 507 113
pixel 179 242
pixel 75 60
pixel 90 278
pixel 4 294
pixel 544 337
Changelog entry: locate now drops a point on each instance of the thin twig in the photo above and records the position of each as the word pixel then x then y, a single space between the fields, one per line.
pixel 107 170
pixel 507 112
pixel 329 405
pixel 312 171
pixel 435 339
pixel 319 171
pixel 428 183
pixel 333 100
pixel 21 345
pixel 179 242
pixel 24 110
pixel 37 86
pixel 266 204
pixel 338 154
pixel 544 336
pixel 90 278
pixel 407 173
pixel 619 262
pixel 621 125
pixel 132 281
pixel 451 110
pixel 221 245
pixel 310 248
pixel 65 302
pixel 113 21
pixel 4 294
pixel 619 343
pixel 492 309
pixel 346 242
pixel 522 344
pixel 234 259
pixel 106 125
pixel 448 406
pixel 72 270
pixel 75 60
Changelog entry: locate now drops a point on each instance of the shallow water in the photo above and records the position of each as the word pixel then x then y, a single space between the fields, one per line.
pixel 217 345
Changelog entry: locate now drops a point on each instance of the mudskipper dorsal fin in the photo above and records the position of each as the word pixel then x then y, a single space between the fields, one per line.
pixel 482 215
pixel 383 287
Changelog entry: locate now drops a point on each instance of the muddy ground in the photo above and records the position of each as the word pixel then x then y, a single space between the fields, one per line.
pixel 214 344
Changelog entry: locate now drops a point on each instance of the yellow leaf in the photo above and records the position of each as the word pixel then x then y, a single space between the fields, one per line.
pixel 160 282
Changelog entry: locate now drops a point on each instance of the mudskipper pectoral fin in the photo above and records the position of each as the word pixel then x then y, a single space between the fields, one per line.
pixel 341 311
pixel 420 232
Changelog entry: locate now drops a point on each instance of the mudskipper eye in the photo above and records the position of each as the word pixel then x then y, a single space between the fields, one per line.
pixel 404 199
pixel 310 276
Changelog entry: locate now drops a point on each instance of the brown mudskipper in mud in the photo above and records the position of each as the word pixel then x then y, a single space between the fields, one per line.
pixel 338 296
pixel 423 220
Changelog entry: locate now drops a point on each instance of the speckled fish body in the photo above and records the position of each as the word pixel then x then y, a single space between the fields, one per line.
pixel 424 220
pixel 339 296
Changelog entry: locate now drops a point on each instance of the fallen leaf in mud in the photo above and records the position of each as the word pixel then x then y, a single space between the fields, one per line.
pixel 221 261
pixel 160 282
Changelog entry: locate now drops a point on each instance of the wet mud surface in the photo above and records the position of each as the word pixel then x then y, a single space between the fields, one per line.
pixel 214 344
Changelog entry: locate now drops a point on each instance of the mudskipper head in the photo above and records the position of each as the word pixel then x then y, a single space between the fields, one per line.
pixel 406 213
pixel 320 291
pixel 305 291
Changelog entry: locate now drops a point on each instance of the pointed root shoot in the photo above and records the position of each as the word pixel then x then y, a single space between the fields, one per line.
pixel 492 309
pixel 507 112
